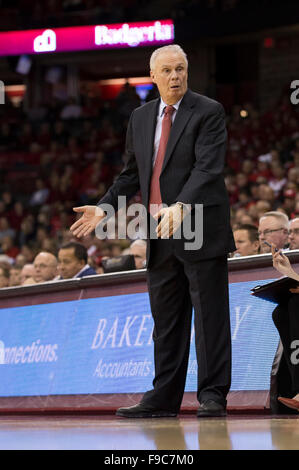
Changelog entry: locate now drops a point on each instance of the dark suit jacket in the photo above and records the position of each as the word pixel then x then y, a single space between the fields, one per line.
pixel 87 272
pixel 192 170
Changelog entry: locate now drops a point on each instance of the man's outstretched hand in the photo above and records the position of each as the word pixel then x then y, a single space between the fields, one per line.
pixel 171 219
pixel 91 217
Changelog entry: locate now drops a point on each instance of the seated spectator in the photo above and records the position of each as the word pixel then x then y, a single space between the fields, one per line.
pixel 254 192
pixel 41 194
pixel 262 170
pixel 294 234
pixel 289 201
pixel 71 110
pixel 8 199
pixel 44 136
pixel 293 175
pixel 259 209
pixel 16 215
pixel 27 231
pixel 3 208
pixel 242 181
pixel 239 215
pixel 15 276
pixel 247 219
pixel 20 260
pixel 278 180
pixel 45 266
pixel 72 261
pixel 246 240
pixel 49 245
pixel 127 100
pixel 41 234
pixel 267 194
pixel 27 274
pixel 28 252
pixel 273 228
pixel 8 247
pixel 5 228
pixel 4 275
pixel 7 139
pixel 60 134
pixel 138 250
pixel 286 320
pixel 26 136
pixel 116 249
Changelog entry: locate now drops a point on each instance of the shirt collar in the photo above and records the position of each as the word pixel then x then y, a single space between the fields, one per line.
pixel 162 106
pixel 81 270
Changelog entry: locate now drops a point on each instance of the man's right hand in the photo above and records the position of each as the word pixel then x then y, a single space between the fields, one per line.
pixel 280 261
pixel 92 216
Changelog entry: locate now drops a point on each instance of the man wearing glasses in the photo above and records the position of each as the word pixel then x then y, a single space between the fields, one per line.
pixel 273 228
pixel 294 234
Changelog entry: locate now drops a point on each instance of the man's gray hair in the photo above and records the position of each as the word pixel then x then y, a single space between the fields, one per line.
pixel 279 215
pixel 170 48
pixel 139 242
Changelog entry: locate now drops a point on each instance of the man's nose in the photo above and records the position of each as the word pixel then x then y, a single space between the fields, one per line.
pixel 174 75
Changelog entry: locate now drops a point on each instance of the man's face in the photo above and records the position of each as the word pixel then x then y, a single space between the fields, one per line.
pixel 272 230
pixel 68 264
pixel 4 281
pixel 170 74
pixel 294 235
pixel 15 277
pixel 243 244
pixel 45 268
pixel 27 272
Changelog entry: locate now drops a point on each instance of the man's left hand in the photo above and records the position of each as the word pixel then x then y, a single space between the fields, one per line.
pixel 171 219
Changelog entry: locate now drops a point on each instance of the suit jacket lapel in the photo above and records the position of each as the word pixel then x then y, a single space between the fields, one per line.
pixel 183 115
pixel 149 129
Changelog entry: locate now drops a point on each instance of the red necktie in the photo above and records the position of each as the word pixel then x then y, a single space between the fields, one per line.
pixel 155 194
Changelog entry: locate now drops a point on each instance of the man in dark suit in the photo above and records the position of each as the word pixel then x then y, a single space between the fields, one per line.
pixel 175 153
pixel 72 261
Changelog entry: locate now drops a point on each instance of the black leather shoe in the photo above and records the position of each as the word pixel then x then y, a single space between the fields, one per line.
pixel 210 408
pixel 143 411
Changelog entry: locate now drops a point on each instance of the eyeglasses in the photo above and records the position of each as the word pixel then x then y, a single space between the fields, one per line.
pixel 294 231
pixel 267 232
pixel 43 266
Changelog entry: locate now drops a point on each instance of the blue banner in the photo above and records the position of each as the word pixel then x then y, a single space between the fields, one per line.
pixel 104 345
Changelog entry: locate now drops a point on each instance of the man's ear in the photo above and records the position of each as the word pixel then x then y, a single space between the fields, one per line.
pixel 152 74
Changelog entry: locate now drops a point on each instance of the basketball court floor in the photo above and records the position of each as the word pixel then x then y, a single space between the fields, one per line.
pixel 186 432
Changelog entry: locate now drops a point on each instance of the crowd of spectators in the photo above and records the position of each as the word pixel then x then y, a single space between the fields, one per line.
pixel 31 14
pixel 58 157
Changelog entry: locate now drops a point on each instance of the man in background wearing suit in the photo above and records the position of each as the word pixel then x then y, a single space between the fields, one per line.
pixel 72 262
pixel 175 154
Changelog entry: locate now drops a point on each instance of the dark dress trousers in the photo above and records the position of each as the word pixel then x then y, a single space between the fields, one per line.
pixel 178 278
pixel 286 320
